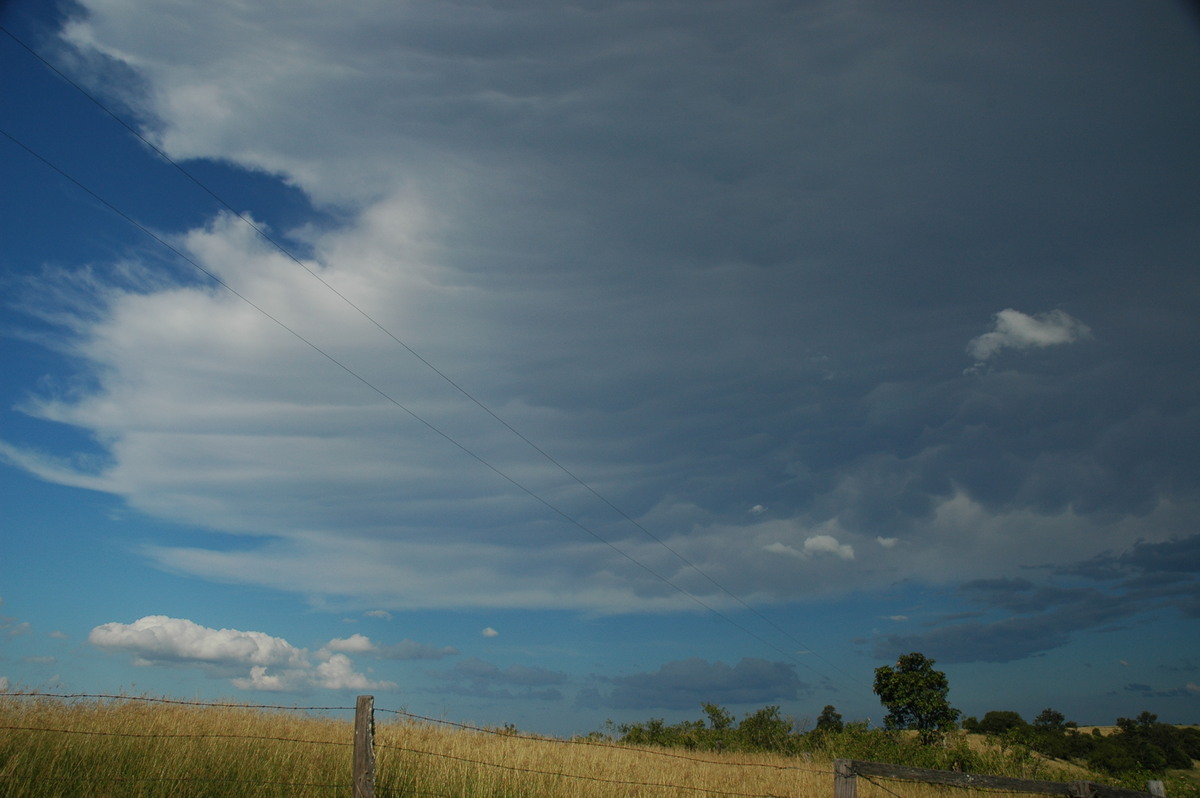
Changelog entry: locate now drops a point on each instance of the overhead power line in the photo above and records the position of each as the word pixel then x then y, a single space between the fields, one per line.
pixel 385 395
pixel 414 353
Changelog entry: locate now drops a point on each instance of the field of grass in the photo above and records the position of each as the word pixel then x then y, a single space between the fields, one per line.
pixel 136 747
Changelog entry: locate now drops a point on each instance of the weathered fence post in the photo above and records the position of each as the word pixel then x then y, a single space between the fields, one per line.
pixel 363 776
pixel 1081 789
pixel 845 781
pixel 1156 789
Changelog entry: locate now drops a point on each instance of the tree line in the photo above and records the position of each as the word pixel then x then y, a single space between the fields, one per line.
pixel 1137 744
pixel 916 698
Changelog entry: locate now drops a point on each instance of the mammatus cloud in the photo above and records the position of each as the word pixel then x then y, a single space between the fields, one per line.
pixel 268 663
pixel 1013 329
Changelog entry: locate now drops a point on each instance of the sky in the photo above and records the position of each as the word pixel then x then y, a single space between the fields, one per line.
pixel 550 363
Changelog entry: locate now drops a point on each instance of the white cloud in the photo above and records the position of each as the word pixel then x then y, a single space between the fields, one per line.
pixel 827 544
pixel 271 663
pixel 1013 329
pixel 887 543
pixel 490 632
pixel 337 673
pixel 160 638
pixel 355 644
pixel 380 614
pixel 817 544
pixel 259 679
pixel 757 509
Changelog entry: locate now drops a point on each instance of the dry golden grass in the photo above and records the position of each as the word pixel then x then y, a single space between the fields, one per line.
pixel 149 748
pixel 123 748
pixel 427 759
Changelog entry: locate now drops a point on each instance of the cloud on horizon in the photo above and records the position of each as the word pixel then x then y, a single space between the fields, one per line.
pixel 479 678
pixel 265 662
pixel 1039 616
pixel 686 684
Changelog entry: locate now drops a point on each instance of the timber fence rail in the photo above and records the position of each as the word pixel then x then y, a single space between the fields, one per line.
pixel 363 749
pixel 847 771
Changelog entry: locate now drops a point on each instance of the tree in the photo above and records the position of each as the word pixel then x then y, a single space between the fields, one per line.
pixel 830 719
pixel 1050 720
pixel 718 717
pixel 998 722
pixel 765 730
pixel 916 697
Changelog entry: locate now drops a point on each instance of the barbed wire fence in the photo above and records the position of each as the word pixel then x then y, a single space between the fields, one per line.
pixel 392 751
pixel 400 747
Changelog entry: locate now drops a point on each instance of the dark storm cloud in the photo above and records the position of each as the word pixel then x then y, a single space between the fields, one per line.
pixel 1168 560
pixel 476 677
pixel 1148 577
pixel 1008 639
pixel 1189 690
pixel 686 684
pixel 915 275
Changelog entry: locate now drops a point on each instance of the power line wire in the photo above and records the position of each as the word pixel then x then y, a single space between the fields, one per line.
pixel 431 366
pixel 389 398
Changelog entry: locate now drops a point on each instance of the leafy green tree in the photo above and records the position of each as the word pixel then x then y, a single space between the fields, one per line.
pixel 830 720
pixel 1050 720
pixel 999 722
pixel 765 730
pixel 719 718
pixel 916 697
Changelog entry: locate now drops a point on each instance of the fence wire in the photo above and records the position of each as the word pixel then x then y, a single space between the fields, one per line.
pixel 382 790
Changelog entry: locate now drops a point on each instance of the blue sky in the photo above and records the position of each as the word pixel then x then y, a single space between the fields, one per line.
pixel 585 361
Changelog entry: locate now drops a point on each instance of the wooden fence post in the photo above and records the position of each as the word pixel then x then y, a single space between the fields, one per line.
pixel 845 781
pixel 363 776
pixel 1081 789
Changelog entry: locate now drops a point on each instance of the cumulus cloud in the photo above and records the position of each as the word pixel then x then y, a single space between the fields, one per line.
pixel 270 663
pixel 817 544
pixel 1013 329
pixel 158 638
pixel 355 643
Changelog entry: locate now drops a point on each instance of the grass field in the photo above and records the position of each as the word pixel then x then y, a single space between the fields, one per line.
pixel 135 747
